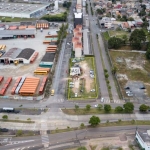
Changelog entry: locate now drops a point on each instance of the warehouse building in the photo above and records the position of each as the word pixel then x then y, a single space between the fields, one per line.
pixel 17 55
pixel 22 10
pixel 14 33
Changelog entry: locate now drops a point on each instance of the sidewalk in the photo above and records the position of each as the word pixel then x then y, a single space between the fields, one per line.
pixel 60 120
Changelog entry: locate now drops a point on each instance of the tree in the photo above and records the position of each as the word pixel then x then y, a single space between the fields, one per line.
pixel 76 107
pixel 82 125
pixel 130 19
pixel 128 107
pixel 143 108
pixel 99 11
pixel 118 109
pixel 137 37
pixel 94 121
pixel 114 42
pixel 100 107
pixel 5 117
pixel 88 107
pixel 107 108
pixel 114 70
pixel 82 148
pixel 148 53
pixel 125 38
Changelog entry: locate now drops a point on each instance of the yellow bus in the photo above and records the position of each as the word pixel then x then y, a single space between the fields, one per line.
pixel 3 47
pixel 41 72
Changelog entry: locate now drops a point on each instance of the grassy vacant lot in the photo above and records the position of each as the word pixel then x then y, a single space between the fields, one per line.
pixel 134 66
pixel 118 34
pixel 106 35
pixel 9 19
pixel 117 123
pixel 90 62
pixel 92 111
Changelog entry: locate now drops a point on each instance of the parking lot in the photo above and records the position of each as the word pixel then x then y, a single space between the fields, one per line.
pixel 16 71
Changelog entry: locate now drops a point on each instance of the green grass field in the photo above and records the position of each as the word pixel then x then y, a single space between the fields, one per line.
pixel 9 19
pixel 118 34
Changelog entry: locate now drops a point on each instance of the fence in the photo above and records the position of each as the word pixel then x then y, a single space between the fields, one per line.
pixel 23 97
pixel 111 64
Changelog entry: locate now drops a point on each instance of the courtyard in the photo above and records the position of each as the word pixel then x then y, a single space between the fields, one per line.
pixel 83 86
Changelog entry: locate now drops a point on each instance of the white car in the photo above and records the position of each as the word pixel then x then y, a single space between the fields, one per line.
pixel 96 105
pixel 71 83
pixel 127 92
pixel 76 94
pixel 130 94
pixel 92 90
pixel 102 99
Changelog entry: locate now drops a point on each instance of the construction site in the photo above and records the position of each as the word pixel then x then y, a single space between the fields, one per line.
pixel 26 63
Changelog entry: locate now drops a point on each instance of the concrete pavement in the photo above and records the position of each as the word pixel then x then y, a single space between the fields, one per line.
pixel 75 138
pixel 60 120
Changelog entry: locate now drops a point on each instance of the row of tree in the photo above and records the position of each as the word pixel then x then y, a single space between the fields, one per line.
pixel 127 107
pixel 136 39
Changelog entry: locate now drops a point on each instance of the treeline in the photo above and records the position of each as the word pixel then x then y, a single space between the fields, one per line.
pixel 58 18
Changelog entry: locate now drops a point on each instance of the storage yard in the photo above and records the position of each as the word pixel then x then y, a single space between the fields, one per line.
pixel 25 65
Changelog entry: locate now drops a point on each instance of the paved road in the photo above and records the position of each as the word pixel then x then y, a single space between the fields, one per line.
pixel 68 138
pixel 100 70
pixel 95 29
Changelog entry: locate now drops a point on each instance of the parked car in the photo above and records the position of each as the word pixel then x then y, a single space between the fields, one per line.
pixel 3 130
pixel 92 90
pixel 71 83
pixel 71 86
pixel 127 92
pixel 130 94
pixel 96 105
pixel 102 99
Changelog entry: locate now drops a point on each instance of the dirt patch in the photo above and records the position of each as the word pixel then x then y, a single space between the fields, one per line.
pixel 131 64
pixel 122 77
pixel 86 75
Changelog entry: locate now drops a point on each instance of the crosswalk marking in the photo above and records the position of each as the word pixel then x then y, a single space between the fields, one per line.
pixel 44 136
pixel 113 101
pixel 18 142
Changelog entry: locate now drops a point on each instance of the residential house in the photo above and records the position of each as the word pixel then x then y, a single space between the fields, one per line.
pixel 78 49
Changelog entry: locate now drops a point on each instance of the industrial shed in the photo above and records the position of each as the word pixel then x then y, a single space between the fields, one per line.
pixel 17 54
pixel 15 33
pixel 47 60
pixel 22 10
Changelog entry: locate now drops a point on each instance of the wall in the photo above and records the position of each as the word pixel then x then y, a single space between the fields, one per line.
pixel 19 15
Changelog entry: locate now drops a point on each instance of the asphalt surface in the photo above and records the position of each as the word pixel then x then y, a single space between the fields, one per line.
pixel 68 138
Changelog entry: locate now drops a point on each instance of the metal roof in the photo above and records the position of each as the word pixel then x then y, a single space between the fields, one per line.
pixel 86 42
pixel 6 33
pixel 20 7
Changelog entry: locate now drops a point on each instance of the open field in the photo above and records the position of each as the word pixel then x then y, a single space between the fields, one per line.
pixel 118 34
pixel 131 66
pixel 84 84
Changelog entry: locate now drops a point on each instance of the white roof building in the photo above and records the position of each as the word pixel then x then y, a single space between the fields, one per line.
pixel 75 71
pixel 143 138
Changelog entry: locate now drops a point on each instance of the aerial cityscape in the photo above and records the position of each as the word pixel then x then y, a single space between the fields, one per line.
pixel 74 74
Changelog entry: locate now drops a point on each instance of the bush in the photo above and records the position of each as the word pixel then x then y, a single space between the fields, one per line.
pixel 118 109
pixel 5 117
pixel 88 107
pixel 19 133
pixel 82 125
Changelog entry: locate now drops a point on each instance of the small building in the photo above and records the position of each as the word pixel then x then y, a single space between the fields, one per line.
pixel 78 19
pixel 125 26
pixel 75 71
pixel 47 60
pixel 143 139
pixel 78 49
pixel 86 42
